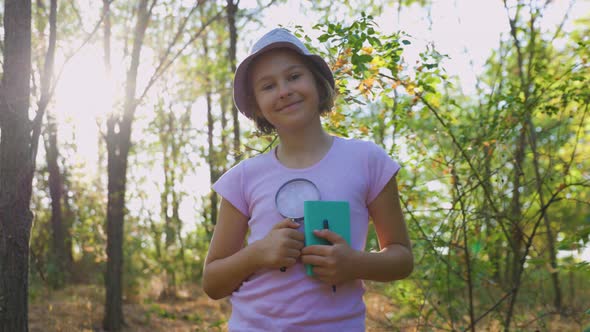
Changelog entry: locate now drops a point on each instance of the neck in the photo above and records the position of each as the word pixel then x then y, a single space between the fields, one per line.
pixel 303 147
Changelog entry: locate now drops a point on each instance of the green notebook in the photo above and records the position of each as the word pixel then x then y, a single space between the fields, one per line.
pixel 334 215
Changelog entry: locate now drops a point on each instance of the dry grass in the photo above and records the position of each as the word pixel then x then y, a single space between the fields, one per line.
pixel 80 308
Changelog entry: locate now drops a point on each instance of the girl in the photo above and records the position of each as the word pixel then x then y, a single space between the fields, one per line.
pixel 285 88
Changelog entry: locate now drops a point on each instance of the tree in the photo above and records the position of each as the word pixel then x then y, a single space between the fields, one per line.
pixel 59 256
pixel 118 136
pixel 231 10
pixel 118 144
pixel 18 147
pixel 505 164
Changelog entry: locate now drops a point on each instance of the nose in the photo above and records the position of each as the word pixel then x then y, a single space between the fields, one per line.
pixel 284 90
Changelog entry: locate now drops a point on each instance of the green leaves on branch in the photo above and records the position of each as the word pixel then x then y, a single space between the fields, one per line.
pixel 373 82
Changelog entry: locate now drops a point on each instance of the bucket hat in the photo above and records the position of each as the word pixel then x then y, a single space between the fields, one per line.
pixel 276 38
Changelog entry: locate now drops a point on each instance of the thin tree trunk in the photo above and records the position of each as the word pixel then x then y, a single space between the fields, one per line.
pixel 167 127
pixel 58 254
pixel 118 145
pixel 117 165
pixel 550 237
pixel 17 164
pixel 211 153
pixel 516 230
pixel 458 197
pixel 165 140
pixel 68 218
pixel 232 9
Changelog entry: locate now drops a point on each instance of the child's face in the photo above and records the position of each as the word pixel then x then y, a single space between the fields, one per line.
pixel 284 89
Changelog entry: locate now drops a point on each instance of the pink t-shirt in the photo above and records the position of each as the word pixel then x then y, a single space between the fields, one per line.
pixel 269 300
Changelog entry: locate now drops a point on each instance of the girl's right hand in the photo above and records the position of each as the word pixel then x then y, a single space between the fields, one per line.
pixel 281 247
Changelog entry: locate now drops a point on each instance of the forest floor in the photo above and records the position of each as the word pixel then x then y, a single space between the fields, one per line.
pixel 80 308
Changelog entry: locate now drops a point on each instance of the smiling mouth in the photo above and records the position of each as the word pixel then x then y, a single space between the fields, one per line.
pixel 287 106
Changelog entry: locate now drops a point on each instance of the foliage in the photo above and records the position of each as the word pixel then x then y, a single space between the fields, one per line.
pixel 466 212
pixel 494 185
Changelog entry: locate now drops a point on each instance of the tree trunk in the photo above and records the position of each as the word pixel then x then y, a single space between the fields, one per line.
pixel 117 169
pixel 232 9
pixel 552 252
pixel 58 254
pixel 118 145
pixel 68 218
pixel 17 164
pixel 211 152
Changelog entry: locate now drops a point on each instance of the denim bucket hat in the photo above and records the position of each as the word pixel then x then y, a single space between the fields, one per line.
pixel 276 38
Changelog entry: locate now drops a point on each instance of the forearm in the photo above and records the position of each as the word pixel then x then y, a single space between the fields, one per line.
pixel 223 276
pixel 393 262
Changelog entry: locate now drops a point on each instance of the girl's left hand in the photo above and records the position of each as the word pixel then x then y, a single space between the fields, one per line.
pixel 334 263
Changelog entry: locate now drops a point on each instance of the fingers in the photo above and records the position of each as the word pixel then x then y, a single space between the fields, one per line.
pixel 286 262
pixel 286 223
pixel 332 237
pixel 315 260
pixel 289 226
pixel 324 268
pixel 283 244
pixel 331 263
pixel 292 253
pixel 294 244
pixel 287 258
pixel 318 250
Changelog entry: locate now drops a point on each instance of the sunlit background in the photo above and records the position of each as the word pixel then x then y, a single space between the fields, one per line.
pixel 465 30
pixel 455 111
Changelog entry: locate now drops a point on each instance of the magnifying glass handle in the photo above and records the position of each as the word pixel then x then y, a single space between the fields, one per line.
pixel 297 220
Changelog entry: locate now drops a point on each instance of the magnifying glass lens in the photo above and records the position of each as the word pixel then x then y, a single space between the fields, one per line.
pixel 290 197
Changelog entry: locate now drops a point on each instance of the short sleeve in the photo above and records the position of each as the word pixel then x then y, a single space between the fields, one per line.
pixel 381 168
pixel 231 187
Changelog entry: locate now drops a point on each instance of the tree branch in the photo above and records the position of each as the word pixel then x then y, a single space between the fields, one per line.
pixel 166 63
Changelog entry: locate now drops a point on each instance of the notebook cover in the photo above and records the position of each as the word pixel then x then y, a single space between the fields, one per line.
pixel 337 213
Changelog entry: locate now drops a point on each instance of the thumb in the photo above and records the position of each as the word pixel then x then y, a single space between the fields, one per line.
pixel 332 237
pixel 286 223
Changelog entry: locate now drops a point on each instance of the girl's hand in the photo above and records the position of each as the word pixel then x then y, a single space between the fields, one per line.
pixel 334 263
pixel 281 247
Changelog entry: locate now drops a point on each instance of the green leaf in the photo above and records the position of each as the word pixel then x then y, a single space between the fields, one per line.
pixel 323 38
pixel 476 247
pixel 406 42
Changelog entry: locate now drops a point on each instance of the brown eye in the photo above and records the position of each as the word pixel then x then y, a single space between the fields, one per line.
pixel 266 87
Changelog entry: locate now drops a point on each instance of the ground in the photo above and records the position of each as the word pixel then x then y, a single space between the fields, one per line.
pixel 80 308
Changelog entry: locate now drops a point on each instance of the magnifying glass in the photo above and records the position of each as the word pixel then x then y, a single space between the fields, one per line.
pixel 290 197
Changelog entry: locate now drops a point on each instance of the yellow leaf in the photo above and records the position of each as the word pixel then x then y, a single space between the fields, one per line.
pixel 377 62
pixel 434 101
pixel 367 49
pixel 336 118
pixel 369 82
pixel 340 62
